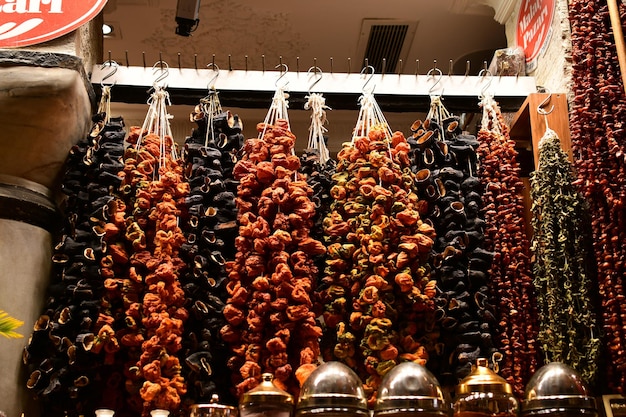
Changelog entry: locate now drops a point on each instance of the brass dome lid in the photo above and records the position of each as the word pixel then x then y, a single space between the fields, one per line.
pixel 266 393
pixel 483 379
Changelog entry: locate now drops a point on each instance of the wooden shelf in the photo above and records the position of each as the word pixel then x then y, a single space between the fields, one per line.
pixel 527 129
pixel 528 126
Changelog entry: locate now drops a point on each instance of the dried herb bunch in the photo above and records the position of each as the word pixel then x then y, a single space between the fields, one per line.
pixel 567 321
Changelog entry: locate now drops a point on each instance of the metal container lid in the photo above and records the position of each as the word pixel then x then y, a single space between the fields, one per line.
pixel 213 409
pixel 410 387
pixel 266 394
pixel 556 385
pixel 332 387
pixel 483 379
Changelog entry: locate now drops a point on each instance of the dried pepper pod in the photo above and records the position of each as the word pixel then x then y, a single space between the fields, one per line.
pixel 377 291
pixel 144 296
pixel 62 353
pixel 510 281
pixel 599 145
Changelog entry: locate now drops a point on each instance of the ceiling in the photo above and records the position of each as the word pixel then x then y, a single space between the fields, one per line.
pixel 300 34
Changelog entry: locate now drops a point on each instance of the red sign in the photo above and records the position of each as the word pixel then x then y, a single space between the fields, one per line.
pixel 28 22
pixel 533 26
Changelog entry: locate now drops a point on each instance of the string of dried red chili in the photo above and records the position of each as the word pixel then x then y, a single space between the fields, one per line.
pixel 160 311
pixel 598 110
pixel 511 282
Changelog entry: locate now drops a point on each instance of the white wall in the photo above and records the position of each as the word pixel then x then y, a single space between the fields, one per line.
pixel 554 66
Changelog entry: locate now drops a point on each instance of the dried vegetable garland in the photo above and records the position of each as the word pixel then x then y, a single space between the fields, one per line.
pixel 63 351
pixel 445 162
pixel 380 304
pixel 377 291
pixel 511 284
pixel 597 115
pixel 568 330
pixel 271 322
pixel 318 168
pixel 209 156
pixel 144 300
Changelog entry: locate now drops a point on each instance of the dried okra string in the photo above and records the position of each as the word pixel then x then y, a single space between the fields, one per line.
pixel 568 330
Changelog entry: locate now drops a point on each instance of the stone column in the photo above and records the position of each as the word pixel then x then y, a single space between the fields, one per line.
pixel 46 103
pixel 25 252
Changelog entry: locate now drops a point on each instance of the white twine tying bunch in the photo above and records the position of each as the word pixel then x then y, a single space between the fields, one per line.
pixel 157 121
pixel 370 115
pixel 317 104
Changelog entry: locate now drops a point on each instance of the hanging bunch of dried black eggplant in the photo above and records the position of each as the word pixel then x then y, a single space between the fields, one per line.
pixel 445 162
pixel 568 330
pixel 209 155
pixel 62 353
pixel 318 167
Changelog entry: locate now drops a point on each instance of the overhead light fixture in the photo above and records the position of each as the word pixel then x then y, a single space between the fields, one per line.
pixel 107 29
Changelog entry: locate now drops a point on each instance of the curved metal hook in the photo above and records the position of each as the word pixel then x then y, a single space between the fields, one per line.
pixel 430 74
pixel 540 109
pixel 364 71
pixel 318 73
pixel 164 68
pixel 211 84
pixel 282 75
pixel 114 65
pixel 484 73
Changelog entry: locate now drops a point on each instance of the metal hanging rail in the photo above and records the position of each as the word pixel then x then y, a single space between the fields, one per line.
pixel 254 89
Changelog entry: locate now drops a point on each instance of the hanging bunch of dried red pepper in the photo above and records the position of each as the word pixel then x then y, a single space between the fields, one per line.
pixel 144 298
pixel 377 291
pixel 271 323
pixel 597 115
pixel 512 289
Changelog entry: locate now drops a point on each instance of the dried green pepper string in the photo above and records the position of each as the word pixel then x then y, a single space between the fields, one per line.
pixel 568 329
